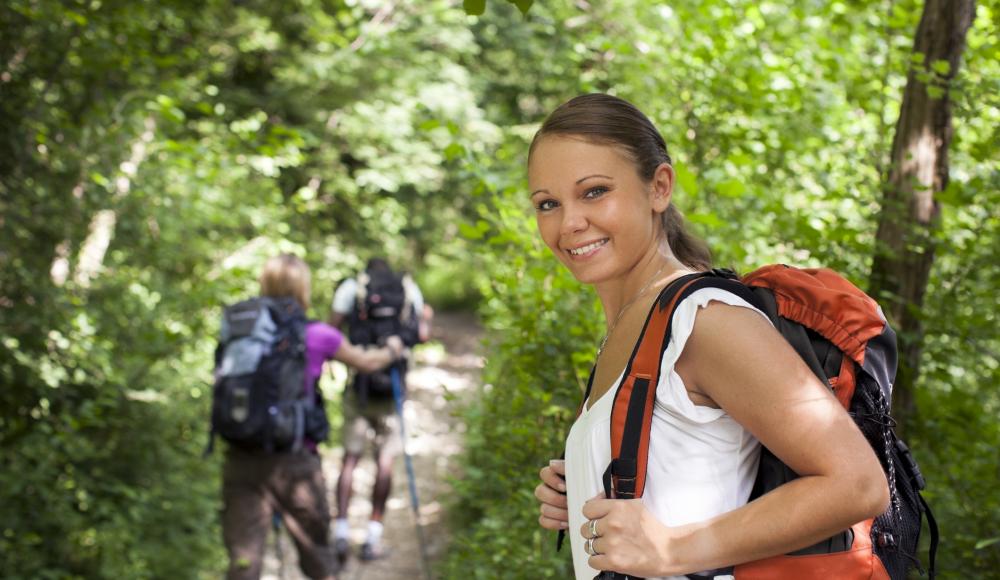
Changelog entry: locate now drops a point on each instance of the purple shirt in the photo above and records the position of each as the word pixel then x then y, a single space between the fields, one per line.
pixel 322 342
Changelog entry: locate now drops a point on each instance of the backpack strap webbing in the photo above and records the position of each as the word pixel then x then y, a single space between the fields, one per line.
pixel 933 528
pixel 210 446
pixel 361 294
pixel 586 394
pixel 632 410
pixel 407 311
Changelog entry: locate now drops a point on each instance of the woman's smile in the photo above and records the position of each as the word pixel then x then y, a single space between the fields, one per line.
pixel 587 249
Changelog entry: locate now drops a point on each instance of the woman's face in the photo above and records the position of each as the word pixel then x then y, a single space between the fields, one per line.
pixel 593 210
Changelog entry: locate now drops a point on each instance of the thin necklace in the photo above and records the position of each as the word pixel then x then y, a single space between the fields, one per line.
pixel 621 311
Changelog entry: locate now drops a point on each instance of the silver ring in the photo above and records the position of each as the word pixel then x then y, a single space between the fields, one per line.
pixel 592 526
pixel 588 547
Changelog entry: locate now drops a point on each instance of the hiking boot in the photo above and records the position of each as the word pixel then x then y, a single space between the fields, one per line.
pixel 343 549
pixel 373 551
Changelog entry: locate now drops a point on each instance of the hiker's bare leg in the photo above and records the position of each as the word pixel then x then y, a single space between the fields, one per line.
pixel 345 482
pixel 383 482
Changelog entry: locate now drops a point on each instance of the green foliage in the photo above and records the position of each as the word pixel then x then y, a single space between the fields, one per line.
pixel 202 137
pixel 477 7
pixel 102 475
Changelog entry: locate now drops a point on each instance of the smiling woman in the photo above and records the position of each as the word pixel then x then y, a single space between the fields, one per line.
pixel 600 220
pixel 602 186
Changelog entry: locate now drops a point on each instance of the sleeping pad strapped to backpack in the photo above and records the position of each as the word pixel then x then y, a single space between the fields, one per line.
pixel 259 399
pixel 842 335
pixel 382 308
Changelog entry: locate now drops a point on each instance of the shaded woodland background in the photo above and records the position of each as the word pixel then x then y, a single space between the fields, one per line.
pixel 154 153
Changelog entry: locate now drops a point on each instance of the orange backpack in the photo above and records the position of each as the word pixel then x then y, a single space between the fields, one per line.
pixel 842 335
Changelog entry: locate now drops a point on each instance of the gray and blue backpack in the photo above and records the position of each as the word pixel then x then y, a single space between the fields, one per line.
pixel 259 400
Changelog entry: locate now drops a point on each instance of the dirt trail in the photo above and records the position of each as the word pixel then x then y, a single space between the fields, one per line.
pixel 434 438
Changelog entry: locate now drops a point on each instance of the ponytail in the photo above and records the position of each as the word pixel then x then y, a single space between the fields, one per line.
pixel 688 248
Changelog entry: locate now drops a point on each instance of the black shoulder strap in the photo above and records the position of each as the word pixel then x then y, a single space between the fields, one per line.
pixel 932 526
pixel 361 282
pixel 586 394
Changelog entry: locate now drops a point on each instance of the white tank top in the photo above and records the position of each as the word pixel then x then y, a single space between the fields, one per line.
pixel 701 462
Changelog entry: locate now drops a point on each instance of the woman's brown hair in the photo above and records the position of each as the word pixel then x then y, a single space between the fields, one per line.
pixel 605 119
pixel 286 276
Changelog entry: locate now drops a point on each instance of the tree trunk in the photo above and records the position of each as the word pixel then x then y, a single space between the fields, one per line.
pixel 904 249
pixel 102 225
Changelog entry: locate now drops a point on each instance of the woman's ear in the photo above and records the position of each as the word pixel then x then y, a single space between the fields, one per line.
pixel 662 187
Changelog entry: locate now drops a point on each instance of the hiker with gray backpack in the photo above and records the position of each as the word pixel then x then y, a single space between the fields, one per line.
pixel 267 407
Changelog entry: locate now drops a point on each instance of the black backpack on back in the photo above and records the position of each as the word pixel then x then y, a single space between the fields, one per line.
pixel 382 308
pixel 258 400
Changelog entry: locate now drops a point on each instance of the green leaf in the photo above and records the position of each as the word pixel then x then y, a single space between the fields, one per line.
pixel 732 188
pixel 454 151
pixel 686 180
pixel 941 67
pixel 985 543
pixel 76 17
pixel 709 219
pixel 468 232
pixel 523 5
pixel 951 195
pixel 741 159
pixel 471 232
pixel 99 179
pixel 474 7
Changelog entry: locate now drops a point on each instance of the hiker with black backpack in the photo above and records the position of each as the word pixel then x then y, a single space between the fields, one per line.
pixel 267 407
pixel 376 303
pixel 714 437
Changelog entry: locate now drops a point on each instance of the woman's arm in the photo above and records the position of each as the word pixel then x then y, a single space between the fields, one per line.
pixel 735 359
pixel 371 360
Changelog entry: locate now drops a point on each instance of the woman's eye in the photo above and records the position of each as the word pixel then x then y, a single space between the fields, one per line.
pixel 595 192
pixel 545 205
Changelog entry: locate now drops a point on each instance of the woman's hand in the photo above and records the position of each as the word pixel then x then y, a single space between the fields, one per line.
pixel 552 495
pixel 627 538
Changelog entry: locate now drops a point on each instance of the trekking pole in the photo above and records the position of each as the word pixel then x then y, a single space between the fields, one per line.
pixel 397 394
pixel 280 552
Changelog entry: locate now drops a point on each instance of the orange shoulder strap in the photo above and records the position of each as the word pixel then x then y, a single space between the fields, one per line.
pixel 632 410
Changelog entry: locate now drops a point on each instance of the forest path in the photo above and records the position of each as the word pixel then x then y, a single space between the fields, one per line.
pixel 434 438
